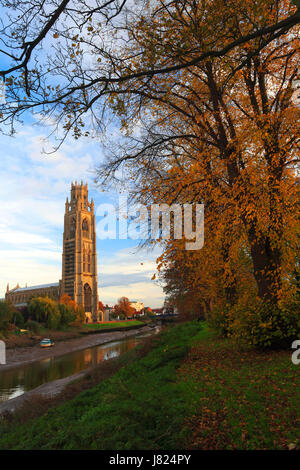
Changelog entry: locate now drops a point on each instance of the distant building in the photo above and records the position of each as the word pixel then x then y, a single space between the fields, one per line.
pixel 107 311
pixel 138 306
pixel 79 259
pixel 20 296
pixel 157 311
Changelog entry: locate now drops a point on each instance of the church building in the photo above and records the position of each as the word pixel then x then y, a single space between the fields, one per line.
pixel 79 259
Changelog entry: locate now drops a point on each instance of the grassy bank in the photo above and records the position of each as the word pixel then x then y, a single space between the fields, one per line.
pixel 111 326
pixel 189 391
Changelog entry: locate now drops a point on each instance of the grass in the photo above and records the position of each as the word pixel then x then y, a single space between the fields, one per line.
pixel 190 391
pixel 112 325
pixel 140 407
pixel 245 399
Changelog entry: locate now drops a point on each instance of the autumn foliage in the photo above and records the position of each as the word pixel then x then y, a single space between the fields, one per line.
pixel 74 311
pixel 67 300
pixel 206 96
pixel 123 308
pixel 223 133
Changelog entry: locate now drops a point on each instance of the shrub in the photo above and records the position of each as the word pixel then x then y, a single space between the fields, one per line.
pixel 36 309
pixel 43 309
pixel 67 314
pixel 18 319
pixel 79 315
pixel 264 325
pixel 6 314
pixel 33 326
pixel 220 320
pixel 23 311
pixel 53 317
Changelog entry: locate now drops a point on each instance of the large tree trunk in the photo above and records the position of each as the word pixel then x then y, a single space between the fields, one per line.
pixel 267 266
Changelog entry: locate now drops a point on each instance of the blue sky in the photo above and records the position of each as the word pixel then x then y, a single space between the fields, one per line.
pixel 33 190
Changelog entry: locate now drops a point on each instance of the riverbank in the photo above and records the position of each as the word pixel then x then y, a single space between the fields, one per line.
pixel 38 401
pixel 191 390
pixel 20 356
pixel 44 393
pixel 30 339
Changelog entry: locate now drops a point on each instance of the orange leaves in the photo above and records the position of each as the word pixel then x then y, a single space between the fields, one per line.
pixel 228 139
pixel 123 307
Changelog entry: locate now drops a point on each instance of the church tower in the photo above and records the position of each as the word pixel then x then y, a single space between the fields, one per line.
pixel 79 259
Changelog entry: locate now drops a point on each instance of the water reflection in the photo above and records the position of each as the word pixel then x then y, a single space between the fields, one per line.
pixel 15 382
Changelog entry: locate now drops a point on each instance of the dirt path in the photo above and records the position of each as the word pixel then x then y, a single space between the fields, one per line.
pixel 16 357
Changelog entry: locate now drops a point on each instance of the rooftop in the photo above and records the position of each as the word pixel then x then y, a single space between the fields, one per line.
pixel 41 286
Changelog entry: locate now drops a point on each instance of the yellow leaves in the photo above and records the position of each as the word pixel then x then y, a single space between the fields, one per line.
pixel 55 35
pixel 236 185
pixel 266 325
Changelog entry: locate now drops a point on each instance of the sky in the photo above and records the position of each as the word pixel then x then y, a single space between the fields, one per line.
pixel 33 190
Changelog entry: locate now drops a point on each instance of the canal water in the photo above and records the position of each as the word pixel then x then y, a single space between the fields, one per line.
pixel 15 382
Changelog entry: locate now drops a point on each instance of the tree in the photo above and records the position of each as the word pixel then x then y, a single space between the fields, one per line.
pixel 147 311
pixel 61 83
pixel 123 308
pixel 67 300
pixel 44 310
pixel 72 312
pixel 67 314
pixel 6 315
pixel 221 134
pixel 205 94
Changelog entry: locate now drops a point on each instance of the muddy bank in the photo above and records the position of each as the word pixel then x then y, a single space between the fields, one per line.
pixel 48 390
pixel 16 357
pixel 14 341
pixel 38 400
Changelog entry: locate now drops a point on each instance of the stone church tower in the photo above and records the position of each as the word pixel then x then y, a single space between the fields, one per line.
pixel 79 259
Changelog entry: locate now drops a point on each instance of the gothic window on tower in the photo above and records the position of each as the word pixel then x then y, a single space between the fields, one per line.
pixel 85 228
pixel 87 298
pixel 89 263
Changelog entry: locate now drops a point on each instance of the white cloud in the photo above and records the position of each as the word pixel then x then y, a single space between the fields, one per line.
pixel 150 294
pixel 33 188
pixel 31 267
pixel 128 273
pixel 15 237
